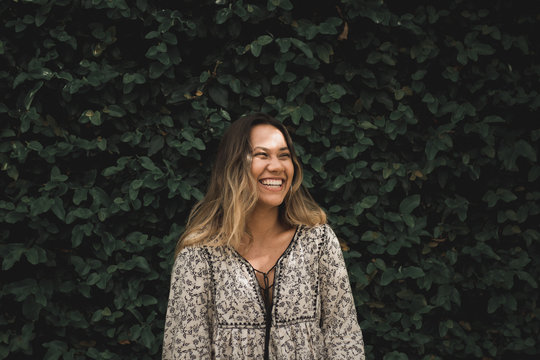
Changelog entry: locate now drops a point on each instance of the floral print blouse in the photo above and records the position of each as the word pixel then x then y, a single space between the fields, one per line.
pixel 216 309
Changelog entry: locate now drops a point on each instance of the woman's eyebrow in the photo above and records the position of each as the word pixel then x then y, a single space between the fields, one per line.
pixel 266 149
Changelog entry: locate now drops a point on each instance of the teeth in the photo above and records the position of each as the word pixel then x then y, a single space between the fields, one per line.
pixel 272 182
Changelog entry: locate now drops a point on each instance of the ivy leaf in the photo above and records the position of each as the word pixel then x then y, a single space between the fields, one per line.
pixel 284 44
pixel 114 110
pixel 523 148
pixel 264 40
pixel 297 88
pixel 388 276
pixel 395 355
pixel 534 173
pixel 58 208
pixel 219 95
pixel 36 255
pixel 40 205
pixel 366 203
pixel 255 48
pixel 223 15
pixel 413 272
pixel 495 302
pixel 34 145
pixel 156 144
pixel 408 204
pixel 31 94
pixel 55 349
pixel 11 254
pixel 302 46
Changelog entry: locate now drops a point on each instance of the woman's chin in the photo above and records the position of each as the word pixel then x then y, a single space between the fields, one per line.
pixel 269 203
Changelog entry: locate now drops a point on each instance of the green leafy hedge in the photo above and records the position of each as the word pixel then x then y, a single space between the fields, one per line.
pixel 417 123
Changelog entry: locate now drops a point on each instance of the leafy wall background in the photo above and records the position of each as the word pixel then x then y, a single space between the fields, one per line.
pixel 417 123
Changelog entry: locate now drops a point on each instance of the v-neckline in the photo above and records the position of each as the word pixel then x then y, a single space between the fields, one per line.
pixel 275 267
pixel 279 258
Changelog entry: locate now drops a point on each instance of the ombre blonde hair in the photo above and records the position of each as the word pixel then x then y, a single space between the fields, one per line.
pixel 220 217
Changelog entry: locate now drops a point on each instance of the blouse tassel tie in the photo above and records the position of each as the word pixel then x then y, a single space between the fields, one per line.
pixel 268 305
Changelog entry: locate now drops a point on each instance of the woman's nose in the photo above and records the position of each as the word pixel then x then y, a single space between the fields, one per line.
pixel 274 164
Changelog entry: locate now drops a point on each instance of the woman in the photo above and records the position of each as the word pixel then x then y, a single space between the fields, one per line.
pixel 258 274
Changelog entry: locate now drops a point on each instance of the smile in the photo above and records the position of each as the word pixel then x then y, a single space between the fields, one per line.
pixel 272 182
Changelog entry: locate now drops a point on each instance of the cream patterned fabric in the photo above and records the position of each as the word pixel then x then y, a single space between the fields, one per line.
pixel 216 309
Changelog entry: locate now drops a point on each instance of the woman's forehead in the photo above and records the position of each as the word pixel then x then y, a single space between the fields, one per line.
pixel 267 137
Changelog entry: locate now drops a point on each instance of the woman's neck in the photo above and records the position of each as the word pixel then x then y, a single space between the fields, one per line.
pixel 263 224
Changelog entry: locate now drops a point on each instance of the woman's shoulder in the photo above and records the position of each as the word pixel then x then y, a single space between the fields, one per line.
pixel 191 255
pixel 316 231
pixel 192 250
pixel 203 252
pixel 318 235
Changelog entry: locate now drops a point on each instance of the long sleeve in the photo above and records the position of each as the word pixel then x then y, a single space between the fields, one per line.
pixel 188 325
pixel 342 335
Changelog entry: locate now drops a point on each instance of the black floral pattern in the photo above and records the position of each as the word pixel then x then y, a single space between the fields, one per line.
pixel 216 310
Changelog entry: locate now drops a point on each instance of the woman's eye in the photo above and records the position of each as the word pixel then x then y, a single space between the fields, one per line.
pixel 260 154
pixel 285 155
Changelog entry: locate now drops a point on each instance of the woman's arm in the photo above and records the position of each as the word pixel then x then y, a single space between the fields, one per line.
pixel 188 325
pixel 339 324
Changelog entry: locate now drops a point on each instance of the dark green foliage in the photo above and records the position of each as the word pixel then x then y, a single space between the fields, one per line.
pixel 417 123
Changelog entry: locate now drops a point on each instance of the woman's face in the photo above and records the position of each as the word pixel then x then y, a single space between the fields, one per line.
pixel 271 165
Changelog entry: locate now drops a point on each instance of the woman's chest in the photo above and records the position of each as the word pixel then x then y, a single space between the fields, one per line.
pixel 238 299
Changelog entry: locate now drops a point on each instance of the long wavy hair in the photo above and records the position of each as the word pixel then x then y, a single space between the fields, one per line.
pixel 220 217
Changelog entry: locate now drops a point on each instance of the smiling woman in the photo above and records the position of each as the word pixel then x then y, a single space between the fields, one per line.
pixel 258 274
